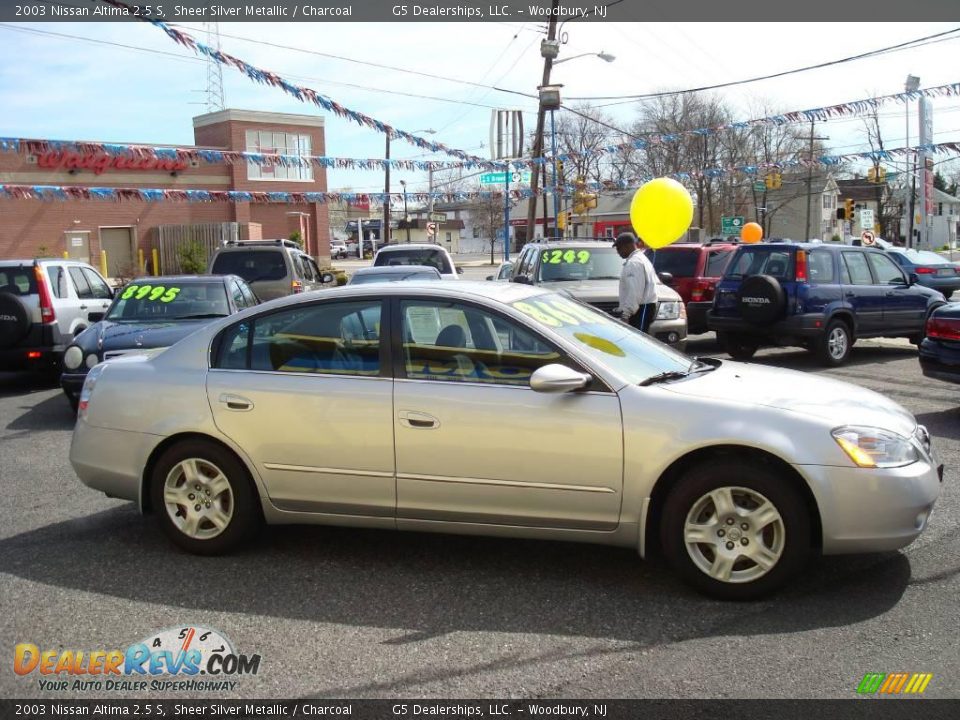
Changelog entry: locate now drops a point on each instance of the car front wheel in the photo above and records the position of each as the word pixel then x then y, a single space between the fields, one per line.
pixel 735 531
pixel 204 498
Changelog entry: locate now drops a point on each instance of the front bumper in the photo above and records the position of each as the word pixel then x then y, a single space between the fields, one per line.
pixel 670 332
pixel 940 361
pixel 873 510
pixel 72 383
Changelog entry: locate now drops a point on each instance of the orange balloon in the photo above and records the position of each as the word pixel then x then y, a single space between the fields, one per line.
pixel 751 233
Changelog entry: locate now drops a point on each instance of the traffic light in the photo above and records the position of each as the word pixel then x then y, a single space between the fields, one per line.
pixel 877 174
pixel 562 221
pixel 583 201
pixel 848 209
pixel 559 172
pixel 773 181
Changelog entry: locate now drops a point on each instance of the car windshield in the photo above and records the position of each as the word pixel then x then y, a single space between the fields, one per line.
pixel 775 261
pixel 679 262
pixel 616 345
pixel 430 257
pixel 167 301
pixel 251 265
pixel 572 264
pixel 412 274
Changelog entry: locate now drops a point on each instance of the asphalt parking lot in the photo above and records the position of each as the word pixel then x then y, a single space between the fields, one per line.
pixel 353 613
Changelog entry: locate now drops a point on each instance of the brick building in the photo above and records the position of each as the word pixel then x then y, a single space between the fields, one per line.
pixel 83 228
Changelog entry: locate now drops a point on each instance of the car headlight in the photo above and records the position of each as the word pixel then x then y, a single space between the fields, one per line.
pixel 875 448
pixel 92 360
pixel 669 310
pixel 73 358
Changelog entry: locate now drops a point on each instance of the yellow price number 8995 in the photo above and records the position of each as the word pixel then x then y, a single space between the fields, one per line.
pixel 150 292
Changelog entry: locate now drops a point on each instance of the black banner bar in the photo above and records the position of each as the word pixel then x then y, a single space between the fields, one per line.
pixel 517 11
pixel 873 708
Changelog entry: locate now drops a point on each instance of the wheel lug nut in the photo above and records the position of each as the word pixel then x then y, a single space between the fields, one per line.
pixel 208 492
pixel 197 508
pixel 729 521
pixel 730 546
pixel 191 496
pixel 744 541
pixel 744 526
pixel 721 533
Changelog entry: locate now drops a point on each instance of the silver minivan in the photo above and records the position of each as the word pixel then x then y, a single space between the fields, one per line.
pixel 43 305
pixel 272 268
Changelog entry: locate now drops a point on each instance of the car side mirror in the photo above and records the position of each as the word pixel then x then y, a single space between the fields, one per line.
pixel 459 270
pixel 522 279
pixel 556 378
pixel 327 277
pixel 490 277
pixel 666 278
pixel 95 316
pixel 913 278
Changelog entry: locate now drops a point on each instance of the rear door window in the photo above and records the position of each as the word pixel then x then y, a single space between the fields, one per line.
pixel 251 265
pixel 98 288
pixel 58 281
pixel 857 269
pixel 717 262
pixel 80 283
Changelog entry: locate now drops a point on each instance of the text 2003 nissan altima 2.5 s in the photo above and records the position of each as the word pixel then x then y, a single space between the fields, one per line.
pixel 500 409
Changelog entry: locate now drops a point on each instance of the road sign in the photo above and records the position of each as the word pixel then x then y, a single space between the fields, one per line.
pixel 431 228
pixel 438 217
pixel 731 225
pixel 867 238
pixel 759 186
pixel 500 178
pixel 866 218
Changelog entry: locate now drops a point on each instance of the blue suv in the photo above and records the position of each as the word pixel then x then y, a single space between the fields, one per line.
pixel 821 297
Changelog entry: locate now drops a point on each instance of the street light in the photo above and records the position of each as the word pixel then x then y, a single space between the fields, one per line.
pixel 911 85
pixel 605 56
pixel 406 215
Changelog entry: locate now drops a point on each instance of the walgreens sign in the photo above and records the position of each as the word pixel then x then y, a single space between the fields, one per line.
pixel 98 162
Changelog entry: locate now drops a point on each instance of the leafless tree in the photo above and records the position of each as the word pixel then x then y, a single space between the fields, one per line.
pixel 488 216
pixel 889 208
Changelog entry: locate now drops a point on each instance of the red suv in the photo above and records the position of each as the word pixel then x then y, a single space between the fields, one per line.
pixel 696 270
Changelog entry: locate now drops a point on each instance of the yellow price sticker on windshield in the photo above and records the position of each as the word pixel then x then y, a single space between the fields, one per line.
pixel 557 312
pixel 568 257
pixel 158 293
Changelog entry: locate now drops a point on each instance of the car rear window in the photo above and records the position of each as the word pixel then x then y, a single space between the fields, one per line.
pixel 251 265
pixel 717 262
pixel 415 256
pixel 922 257
pixel 19 280
pixel 777 262
pixel 679 262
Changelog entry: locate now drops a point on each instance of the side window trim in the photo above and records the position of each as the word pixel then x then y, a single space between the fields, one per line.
pixel 91 276
pixel 83 294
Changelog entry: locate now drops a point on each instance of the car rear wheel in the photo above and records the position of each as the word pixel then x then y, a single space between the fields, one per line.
pixel 735 531
pixel 738 347
pixel 204 498
pixel 833 347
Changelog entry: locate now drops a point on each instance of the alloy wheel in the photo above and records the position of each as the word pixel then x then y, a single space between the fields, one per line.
pixel 198 498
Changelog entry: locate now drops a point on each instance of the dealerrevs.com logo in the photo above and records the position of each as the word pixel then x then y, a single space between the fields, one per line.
pixel 179 659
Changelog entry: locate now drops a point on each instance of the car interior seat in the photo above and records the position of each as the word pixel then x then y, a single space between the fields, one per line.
pixel 454 336
pixel 776 267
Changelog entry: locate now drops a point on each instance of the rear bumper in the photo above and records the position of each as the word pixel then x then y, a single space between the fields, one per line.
pixel 871 510
pixel 72 383
pixel 940 361
pixel 797 326
pixel 697 316
pixel 111 461
pixel 30 358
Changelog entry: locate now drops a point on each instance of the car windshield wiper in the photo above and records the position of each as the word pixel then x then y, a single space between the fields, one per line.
pixel 703 365
pixel 200 316
pixel 604 277
pixel 664 377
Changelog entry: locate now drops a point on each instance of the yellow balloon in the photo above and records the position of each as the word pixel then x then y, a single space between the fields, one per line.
pixel 661 212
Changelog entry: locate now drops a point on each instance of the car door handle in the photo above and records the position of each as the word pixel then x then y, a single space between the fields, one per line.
pixel 418 420
pixel 891 293
pixel 850 294
pixel 83 307
pixel 236 402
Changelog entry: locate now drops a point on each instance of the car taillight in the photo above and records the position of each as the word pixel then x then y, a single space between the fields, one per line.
pixel 87 391
pixel 801 274
pixel 943 328
pixel 296 286
pixel 924 271
pixel 47 313
pixel 702 290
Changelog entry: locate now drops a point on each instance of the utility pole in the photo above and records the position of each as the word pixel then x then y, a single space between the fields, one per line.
pixel 385 230
pixel 806 235
pixel 538 136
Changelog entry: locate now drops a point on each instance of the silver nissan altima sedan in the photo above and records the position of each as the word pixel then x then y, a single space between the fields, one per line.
pixel 501 409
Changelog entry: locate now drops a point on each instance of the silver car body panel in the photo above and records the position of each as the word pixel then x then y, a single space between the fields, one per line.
pixel 542 471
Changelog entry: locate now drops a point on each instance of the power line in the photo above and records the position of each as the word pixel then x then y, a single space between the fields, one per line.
pixel 881 51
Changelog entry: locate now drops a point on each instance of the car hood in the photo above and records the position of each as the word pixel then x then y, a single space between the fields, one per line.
pixel 590 291
pixel 834 401
pixel 106 336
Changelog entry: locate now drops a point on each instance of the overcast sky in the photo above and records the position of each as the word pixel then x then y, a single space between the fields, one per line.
pixel 64 88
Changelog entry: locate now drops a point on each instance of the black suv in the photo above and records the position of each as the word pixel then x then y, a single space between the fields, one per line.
pixel 821 297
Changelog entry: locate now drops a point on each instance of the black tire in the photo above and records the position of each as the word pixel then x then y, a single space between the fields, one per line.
pixel 738 347
pixel 245 512
pixel 833 347
pixel 761 299
pixel 14 320
pixel 743 478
